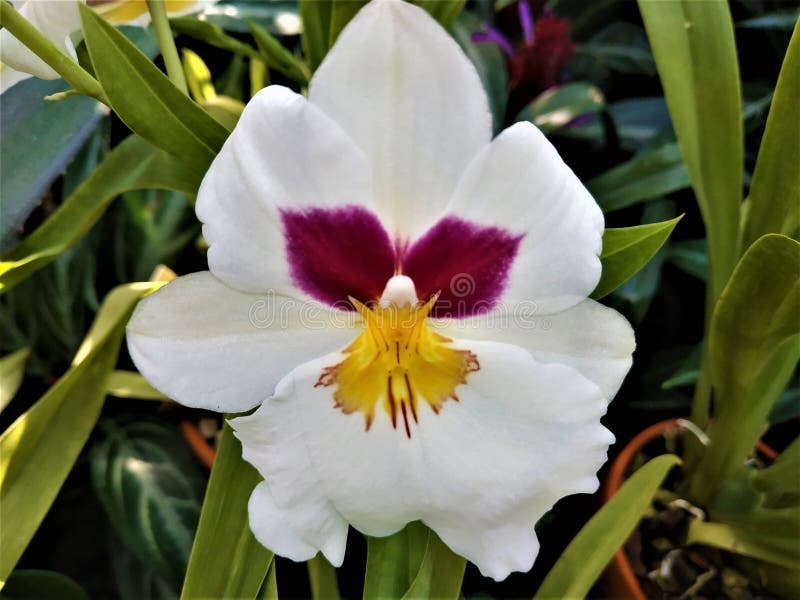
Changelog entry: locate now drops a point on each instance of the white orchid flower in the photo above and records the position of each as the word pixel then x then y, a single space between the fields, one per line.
pixel 467 387
pixel 57 20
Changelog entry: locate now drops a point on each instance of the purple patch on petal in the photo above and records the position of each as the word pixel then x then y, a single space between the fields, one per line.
pixel 468 263
pixel 334 253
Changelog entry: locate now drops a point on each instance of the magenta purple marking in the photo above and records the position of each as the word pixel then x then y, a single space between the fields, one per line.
pixel 339 252
pixel 468 263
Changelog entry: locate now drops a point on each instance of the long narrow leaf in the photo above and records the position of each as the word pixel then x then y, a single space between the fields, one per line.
pixel 695 52
pixel 134 164
pixel 591 550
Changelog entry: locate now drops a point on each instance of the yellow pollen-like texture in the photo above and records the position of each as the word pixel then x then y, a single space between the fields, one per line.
pixel 396 363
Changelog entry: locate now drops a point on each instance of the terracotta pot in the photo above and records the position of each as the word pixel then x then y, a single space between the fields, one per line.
pixel 619 575
pixel 202 449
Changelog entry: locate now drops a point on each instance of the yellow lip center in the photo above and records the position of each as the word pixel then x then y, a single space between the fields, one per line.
pixel 397 361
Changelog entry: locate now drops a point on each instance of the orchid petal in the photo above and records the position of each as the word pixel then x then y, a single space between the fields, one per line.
pixel 55 20
pixel 595 340
pixel 208 346
pixel 412 101
pixel 520 184
pixel 480 473
pixel 284 154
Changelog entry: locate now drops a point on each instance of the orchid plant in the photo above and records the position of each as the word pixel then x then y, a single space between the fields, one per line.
pixel 397 330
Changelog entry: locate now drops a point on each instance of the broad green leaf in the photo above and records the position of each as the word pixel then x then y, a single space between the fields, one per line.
pixel 39 449
pixel 322 576
pixel 279 58
pixel 774 202
pixel 627 250
pixel 754 346
pixel 132 580
pixel 688 371
pixel 444 11
pixel 788 405
pixel 778 548
pixel 146 100
pixel 489 62
pixel 695 52
pixel 781 476
pixel 593 547
pixel 151 487
pixel 35 584
pixel 559 106
pixel 269 589
pixel 12 370
pixel 224 109
pixel 652 173
pixel 226 559
pixel 316 17
pixel 130 384
pixel 394 561
pixel 39 140
pixel 440 573
pixel 134 164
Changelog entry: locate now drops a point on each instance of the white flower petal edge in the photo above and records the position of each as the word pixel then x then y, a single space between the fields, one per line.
pixel 412 101
pixel 284 153
pixel 595 340
pixel 520 183
pixel 480 473
pixel 55 20
pixel 208 346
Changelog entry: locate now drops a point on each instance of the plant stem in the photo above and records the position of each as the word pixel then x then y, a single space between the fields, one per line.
pixel 166 44
pixel 71 71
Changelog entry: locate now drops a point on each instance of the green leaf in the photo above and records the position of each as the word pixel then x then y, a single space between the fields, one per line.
pixel 754 345
pixel 269 589
pixel 780 476
pixel 146 100
pixel 557 107
pixel 695 52
pixel 35 584
pixel 691 256
pixel 440 574
pixel 788 405
pixel 638 120
pixel 277 16
pixel 12 370
pixel 774 202
pixel 652 173
pixel 688 371
pixel 279 58
pixel 778 549
pixel 619 46
pixel 151 486
pixel 413 563
pixel 489 62
pixel 324 585
pixel 627 250
pixel 316 17
pixel 211 34
pixel 130 384
pixel 444 11
pixel 394 561
pixel 39 140
pixel 593 547
pixel 134 164
pixel 39 449
pixel 226 559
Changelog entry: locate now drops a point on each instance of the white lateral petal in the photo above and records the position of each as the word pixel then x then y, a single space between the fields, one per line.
pixel 208 346
pixel 284 153
pixel 410 98
pixel 592 338
pixel 480 473
pixel 520 183
pixel 55 20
